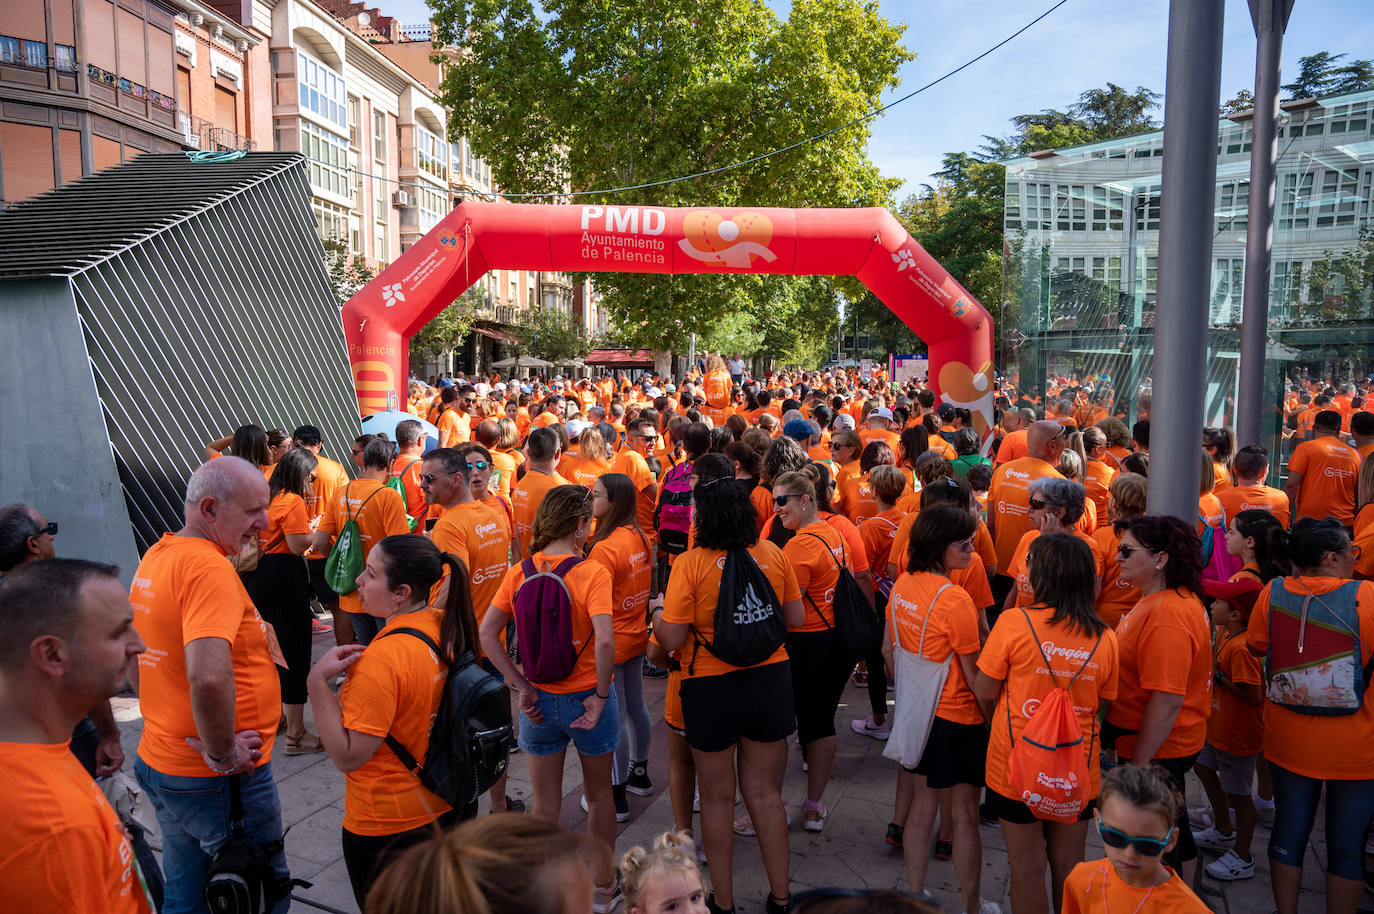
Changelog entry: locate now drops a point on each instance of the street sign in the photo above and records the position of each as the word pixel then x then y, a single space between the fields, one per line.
pixel 865 368
pixel 910 368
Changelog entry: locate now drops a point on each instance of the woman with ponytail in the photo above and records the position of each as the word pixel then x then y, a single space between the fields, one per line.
pixel 394 685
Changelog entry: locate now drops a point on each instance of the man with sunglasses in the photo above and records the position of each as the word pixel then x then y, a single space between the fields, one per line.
pixel 1009 496
pixel 641 439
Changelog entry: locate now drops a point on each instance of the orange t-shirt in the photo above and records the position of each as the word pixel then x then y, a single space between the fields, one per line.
pixel 878 533
pixel 589 585
pixel 891 439
pixel 408 470
pixel 286 516
pixel 716 386
pixel 329 477
pixel 762 500
pixel 1221 478
pixel 1329 468
pixel 585 471
pixel 632 464
pixel 1118 595
pixel 1093 887
pixel 1166 646
pixel 379 512
pixel 1263 498
pixel 965 577
pixel 857 501
pixel 454 428
pixel 850 469
pixel 1097 478
pixel 1012 656
pixel 65 849
pixel 1209 510
pixel 184 590
pixel 1013 447
pixel 815 554
pixel 503 467
pixel 1115 454
pixel 1020 569
pixel 477 534
pixel 953 628
pixel 394 687
pixel 526 498
pixel 1234 726
pixel 694 587
pixel 1326 748
pixel 625 555
pixel 1009 503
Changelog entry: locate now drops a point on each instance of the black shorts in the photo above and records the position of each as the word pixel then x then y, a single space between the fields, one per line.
pixel 820 670
pixel 319 587
pixel 1018 813
pixel 753 704
pixel 955 754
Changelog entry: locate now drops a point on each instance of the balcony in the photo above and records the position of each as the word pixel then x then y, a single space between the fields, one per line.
pixel 199 133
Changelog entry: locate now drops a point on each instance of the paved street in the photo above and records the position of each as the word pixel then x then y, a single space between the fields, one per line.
pixel 849 852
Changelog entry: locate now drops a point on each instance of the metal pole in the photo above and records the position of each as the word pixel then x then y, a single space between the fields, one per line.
pixel 1192 88
pixel 1270 18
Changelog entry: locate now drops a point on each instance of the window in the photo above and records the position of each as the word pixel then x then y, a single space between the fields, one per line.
pixel 26 53
pixel 379 189
pixel 1234 140
pixel 11 49
pixel 328 158
pixel 330 220
pixel 1233 205
pixel 1108 206
pixel 1295 201
pixel 379 136
pixel 355 235
pixel 1151 280
pixel 431 154
pixel 66 58
pixel 354 114
pixel 1069 207
pixel 433 204
pixel 381 251
pixel 321 91
pixel 1228 287
pixel 514 290
pixel 1108 270
pixel 1338 199
pixel 1011 205
pixel 1038 207
pixel 1350 118
pixel 1147 208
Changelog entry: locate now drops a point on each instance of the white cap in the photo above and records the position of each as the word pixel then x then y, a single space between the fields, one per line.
pixel 577 427
pixel 653 392
pixel 843 420
pixel 882 412
pixel 499 385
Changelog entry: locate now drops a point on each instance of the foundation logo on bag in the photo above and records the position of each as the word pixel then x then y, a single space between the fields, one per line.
pixel 392 294
pixel 733 242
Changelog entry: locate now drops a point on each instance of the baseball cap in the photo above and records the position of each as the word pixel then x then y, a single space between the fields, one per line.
pixel 1240 594
pixel 669 388
pixel 882 412
pixel 307 433
pixel 945 411
pixel 577 427
pixel 499 385
pixel 798 430
pixel 843 420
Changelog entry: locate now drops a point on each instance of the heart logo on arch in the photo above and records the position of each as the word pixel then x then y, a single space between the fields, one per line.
pixel 733 241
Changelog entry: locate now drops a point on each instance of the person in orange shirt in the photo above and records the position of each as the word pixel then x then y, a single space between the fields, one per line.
pixel 624 550
pixel 845 448
pixel 540 476
pixel 1137 822
pixel 280 589
pixel 1017 425
pixel 207 685
pixel 1220 445
pixel 934 619
pixel 877 533
pixel 452 423
pixel 1055 506
pixel 581 707
pixel 467 528
pixel 1321 473
pixel 856 498
pixel 590 463
pixel 1362 434
pixel 410 444
pixel 329 477
pixel 716 388
pixel 1251 466
pixel 1119 596
pixel 631 461
pixel 877 427
pixel 1160 715
pixel 392 691
pixel 249 442
pixel 68 644
pixel 1209 510
pixel 1009 495
pixel 821 668
pixel 1097 474
pixel 1057 642
pixel 378 511
pixel 489 436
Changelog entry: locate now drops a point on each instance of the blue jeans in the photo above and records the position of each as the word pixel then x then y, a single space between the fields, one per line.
pixel 1349 809
pixel 632 744
pixel 194 816
pixel 554 731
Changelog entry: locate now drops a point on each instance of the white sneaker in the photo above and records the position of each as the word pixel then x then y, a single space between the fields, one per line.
pixel 1264 811
pixel 988 907
pixel 1230 867
pixel 1200 816
pixel 696 799
pixel 867 727
pixel 1212 839
pixel 814 819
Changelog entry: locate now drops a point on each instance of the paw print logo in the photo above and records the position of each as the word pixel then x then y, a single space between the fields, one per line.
pixel 904 259
pixel 392 294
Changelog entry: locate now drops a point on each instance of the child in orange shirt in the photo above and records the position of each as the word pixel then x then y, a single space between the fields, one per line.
pixel 1235 731
pixel 1136 821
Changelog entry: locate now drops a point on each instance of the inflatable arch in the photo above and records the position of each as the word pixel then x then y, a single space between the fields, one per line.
pixel 476 237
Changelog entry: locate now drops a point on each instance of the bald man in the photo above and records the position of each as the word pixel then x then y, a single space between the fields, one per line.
pixel 1009 493
pixel 1013 445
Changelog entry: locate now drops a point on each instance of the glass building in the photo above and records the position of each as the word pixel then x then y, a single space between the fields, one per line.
pixel 1080 264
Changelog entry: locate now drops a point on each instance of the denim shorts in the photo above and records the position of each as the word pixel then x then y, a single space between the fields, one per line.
pixel 1236 772
pixel 552 734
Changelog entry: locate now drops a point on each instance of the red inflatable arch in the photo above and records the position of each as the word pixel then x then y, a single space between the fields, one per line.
pixel 476 237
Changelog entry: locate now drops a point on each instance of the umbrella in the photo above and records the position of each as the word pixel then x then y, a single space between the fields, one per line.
pixel 385 422
pixel 523 361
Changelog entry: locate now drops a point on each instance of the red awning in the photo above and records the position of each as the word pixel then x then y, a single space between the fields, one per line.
pixel 621 358
pixel 493 335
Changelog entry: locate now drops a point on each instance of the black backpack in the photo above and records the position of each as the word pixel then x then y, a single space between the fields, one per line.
pixel 749 626
pixel 471 736
pixel 856 622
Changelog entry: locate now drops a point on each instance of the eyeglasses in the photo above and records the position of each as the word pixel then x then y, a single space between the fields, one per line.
pixel 50 529
pixel 1144 846
pixel 967 545
pixel 1037 505
pixel 781 500
pixel 427 478
pixel 1127 551
pixel 478 465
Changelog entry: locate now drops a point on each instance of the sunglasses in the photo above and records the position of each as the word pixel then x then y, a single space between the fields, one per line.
pixel 967 545
pixel 1037 505
pixel 781 500
pixel 427 478
pixel 1145 847
pixel 1127 551
pixel 50 529
pixel 478 465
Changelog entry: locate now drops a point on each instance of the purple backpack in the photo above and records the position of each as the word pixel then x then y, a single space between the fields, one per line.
pixel 543 622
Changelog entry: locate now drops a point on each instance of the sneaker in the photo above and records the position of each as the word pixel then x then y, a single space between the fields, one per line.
pixel 714 908
pixel 745 825
pixel 860 678
pixel 988 907
pixel 773 906
pixel 1230 867
pixel 319 627
pixel 606 900
pixel 1200 815
pixel 622 805
pixel 813 817
pixel 867 727
pixel 1212 839
pixel 943 849
pixel 894 835
pixel 1264 811
pixel 638 781
pixel 653 672
pixel 696 799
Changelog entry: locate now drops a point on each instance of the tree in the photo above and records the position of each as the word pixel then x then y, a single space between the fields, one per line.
pixel 1319 75
pixel 346 275
pixel 593 95
pixel 549 334
pixel 1244 100
pixel 447 331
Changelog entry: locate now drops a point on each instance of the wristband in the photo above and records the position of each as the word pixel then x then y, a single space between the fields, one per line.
pixel 606 697
pixel 233 758
pixel 233 751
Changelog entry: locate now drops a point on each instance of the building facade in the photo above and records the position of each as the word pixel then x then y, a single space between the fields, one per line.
pixel 1081 232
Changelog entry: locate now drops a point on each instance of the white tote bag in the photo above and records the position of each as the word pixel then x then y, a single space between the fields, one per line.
pixel 917 692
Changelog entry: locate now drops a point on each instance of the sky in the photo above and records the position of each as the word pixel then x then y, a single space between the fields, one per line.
pixel 1083 45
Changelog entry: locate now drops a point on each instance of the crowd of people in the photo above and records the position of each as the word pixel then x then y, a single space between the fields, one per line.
pixel 1039 651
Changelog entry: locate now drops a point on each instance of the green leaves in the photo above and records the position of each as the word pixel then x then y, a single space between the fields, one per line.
pixel 549 334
